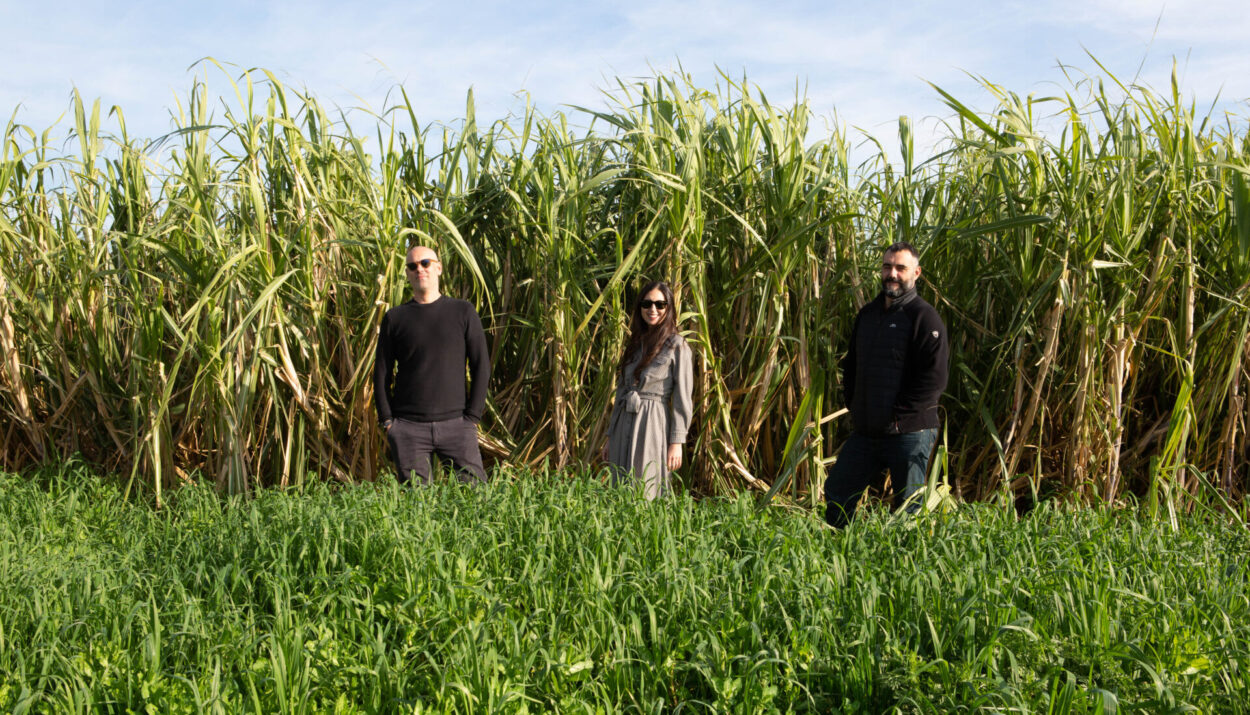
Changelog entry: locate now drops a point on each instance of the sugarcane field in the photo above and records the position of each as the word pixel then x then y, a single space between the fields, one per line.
pixel 206 503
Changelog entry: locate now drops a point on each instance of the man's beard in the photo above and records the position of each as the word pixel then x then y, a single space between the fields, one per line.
pixel 895 289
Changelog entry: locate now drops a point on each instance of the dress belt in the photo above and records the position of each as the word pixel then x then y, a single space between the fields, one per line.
pixel 634 399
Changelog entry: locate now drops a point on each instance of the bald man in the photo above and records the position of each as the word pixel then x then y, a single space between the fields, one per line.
pixel 419 387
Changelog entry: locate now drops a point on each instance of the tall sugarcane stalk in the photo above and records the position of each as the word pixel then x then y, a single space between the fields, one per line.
pixel 209 301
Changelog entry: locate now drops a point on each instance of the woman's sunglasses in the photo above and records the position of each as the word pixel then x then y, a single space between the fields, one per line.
pixel 657 304
pixel 424 263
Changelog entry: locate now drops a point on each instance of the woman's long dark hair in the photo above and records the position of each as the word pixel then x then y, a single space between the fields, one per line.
pixel 645 339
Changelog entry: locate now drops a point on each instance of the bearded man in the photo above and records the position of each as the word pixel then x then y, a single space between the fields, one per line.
pixel 894 371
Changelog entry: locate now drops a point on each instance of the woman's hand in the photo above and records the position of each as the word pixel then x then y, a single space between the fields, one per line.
pixel 674 457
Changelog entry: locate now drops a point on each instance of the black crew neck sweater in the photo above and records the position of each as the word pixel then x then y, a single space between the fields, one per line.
pixel 419 367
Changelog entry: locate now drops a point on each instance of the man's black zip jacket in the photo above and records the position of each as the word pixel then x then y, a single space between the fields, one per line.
pixel 895 367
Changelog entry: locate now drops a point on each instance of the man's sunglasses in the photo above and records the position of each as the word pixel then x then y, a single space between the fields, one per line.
pixel 657 304
pixel 424 263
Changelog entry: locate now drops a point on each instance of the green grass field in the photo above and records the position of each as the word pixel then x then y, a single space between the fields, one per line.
pixel 559 594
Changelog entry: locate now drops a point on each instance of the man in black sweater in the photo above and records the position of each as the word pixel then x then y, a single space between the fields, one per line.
pixel 893 374
pixel 419 376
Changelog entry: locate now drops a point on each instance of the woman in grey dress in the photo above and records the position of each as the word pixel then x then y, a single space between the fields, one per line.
pixel 653 395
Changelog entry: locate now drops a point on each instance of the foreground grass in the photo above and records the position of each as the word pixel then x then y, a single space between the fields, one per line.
pixel 562 595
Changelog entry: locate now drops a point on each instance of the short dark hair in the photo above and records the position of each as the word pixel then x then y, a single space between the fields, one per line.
pixel 903 246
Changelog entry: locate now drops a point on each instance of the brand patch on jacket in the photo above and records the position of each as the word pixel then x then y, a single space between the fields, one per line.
pixel 935 333
pixel 892 325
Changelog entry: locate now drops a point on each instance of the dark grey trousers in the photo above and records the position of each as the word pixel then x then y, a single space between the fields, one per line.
pixel 454 440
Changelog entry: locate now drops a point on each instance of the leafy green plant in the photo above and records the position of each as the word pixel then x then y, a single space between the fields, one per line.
pixel 208 301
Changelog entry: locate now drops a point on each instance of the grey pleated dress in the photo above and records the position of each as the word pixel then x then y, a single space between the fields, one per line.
pixel 649 415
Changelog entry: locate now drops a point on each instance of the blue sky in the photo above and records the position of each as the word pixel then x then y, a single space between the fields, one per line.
pixel 868 63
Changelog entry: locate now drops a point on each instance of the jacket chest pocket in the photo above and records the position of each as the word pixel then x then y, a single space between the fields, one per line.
pixel 888 348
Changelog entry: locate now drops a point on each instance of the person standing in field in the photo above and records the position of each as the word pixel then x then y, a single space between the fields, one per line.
pixel 653 405
pixel 894 371
pixel 419 385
